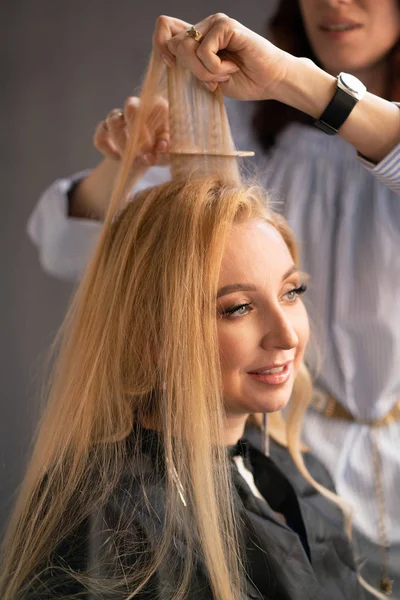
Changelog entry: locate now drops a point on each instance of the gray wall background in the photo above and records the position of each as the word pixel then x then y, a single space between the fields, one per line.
pixel 64 65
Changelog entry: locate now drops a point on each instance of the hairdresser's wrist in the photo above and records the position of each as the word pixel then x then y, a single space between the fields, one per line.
pixel 90 197
pixel 373 126
pixel 306 87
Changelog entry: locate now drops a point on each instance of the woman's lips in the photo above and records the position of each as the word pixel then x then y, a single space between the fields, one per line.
pixel 338 30
pixel 274 375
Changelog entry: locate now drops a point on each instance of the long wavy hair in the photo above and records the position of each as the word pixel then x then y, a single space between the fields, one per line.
pixel 139 348
pixel 286 30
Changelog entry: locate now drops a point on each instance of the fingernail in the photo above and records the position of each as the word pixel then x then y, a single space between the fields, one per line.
pixel 222 78
pixel 168 61
pixel 162 145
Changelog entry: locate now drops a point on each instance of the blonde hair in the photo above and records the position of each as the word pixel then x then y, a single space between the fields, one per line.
pixel 139 346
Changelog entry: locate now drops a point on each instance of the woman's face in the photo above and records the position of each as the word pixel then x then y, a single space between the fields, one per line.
pixel 351 35
pixel 262 322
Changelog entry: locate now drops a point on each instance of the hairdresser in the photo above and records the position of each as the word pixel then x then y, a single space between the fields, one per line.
pixel 333 160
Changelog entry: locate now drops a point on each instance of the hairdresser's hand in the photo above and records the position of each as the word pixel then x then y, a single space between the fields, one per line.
pixel 111 135
pixel 91 197
pixel 247 66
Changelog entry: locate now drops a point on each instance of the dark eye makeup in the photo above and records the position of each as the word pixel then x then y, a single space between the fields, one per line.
pixel 238 309
pixel 293 294
pixel 243 308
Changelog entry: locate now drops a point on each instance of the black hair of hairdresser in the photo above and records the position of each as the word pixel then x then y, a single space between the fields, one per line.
pixel 286 30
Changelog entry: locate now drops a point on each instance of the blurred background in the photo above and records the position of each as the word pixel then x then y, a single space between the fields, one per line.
pixel 64 66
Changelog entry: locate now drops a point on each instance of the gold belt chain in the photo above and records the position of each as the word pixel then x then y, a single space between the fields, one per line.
pixel 329 407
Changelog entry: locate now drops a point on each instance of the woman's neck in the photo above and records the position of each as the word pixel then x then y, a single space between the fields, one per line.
pixel 234 427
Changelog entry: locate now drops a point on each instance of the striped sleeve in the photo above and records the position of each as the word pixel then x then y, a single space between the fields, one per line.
pixel 388 170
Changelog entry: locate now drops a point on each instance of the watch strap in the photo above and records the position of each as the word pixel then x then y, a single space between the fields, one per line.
pixel 336 112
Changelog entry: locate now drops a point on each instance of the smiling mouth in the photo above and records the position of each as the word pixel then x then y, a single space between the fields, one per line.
pixel 339 27
pixel 273 376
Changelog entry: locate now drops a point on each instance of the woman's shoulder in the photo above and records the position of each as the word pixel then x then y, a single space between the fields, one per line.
pixel 116 532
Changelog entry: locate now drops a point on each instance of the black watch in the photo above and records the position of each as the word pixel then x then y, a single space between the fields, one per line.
pixel 348 92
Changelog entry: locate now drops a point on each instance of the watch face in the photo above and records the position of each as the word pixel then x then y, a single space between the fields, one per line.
pixel 351 85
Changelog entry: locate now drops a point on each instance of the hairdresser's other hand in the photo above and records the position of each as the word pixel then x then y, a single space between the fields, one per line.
pixel 111 134
pixel 247 66
pixel 90 198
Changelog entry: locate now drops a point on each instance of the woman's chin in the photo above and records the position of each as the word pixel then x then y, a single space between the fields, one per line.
pixel 273 400
pixel 275 404
pixel 271 404
pixel 252 400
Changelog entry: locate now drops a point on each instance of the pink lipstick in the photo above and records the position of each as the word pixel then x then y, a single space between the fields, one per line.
pixel 274 374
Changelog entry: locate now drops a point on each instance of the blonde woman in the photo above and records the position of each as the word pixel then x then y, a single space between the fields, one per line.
pixel 344 210
pixel 189 319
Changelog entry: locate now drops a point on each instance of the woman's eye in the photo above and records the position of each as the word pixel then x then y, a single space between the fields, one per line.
pixel 293 294
pixel 239 310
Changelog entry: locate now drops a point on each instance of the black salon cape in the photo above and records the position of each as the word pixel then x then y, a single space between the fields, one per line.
pixel 307 559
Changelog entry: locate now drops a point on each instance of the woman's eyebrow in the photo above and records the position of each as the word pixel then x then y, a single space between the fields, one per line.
pixel 249 287
pixel 293 269
pixel 235 287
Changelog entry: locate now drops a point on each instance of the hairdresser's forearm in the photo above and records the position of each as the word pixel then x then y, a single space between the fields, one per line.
pixel 91 197
pixel 373 126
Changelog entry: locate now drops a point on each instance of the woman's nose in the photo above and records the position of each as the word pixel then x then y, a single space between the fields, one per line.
pixel 280 332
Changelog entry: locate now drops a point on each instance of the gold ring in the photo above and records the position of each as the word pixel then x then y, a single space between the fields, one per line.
pixel 114 113
pixel 193 33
